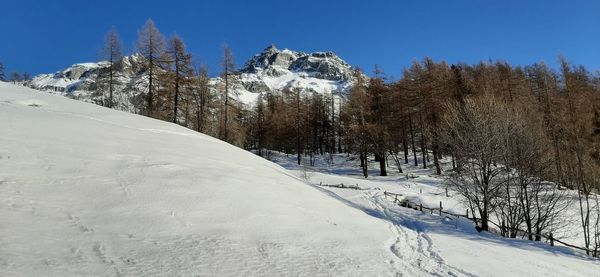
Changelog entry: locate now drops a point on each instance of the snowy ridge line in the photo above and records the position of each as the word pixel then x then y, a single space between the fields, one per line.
pixel 406 203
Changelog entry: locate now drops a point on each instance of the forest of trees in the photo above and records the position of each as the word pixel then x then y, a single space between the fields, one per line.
pixel 509 131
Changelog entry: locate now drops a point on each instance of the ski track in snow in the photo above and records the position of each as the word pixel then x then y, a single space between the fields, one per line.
pixel 414 248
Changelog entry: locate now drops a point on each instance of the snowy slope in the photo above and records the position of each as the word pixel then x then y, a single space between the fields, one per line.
pixel 69 79
pixel 90 191
pixel 439 245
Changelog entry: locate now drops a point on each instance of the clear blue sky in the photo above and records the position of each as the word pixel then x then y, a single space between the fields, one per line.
pixel 45 36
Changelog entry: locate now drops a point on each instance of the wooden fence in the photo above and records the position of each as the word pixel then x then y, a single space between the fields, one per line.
pixel 342 186
pixel 440 210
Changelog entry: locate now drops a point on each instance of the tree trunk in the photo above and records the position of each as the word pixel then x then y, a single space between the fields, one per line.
pixel 396 160
pixel 150 79
pixel 175 104
pixel 436 161
pixel 298 148
pixel 484 219
pixel 226 104
pixel 423 150
pixel 404 145
pixel 382 167
pixel 412 140
pixel 364 164
pixel 110 82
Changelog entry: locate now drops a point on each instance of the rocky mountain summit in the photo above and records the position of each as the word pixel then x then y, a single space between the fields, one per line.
pixel 321 65
pixel 275 70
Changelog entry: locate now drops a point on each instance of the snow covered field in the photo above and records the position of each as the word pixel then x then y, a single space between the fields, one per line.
pixel 88 191
pixel 444 245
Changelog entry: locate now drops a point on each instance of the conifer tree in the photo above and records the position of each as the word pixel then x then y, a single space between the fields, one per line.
pixel 181 70
pixel 202 98
pixel 2 74
pixel 150 45
pixel 228 66
pixel 112 53
pixel 26 76
pixel 15 76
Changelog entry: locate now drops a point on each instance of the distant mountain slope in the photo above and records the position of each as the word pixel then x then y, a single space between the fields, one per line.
pixel 89 191
pixel 272 70
pixel 79 82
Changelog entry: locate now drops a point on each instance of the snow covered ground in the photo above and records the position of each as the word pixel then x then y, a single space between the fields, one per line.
pixel 439 245
pixel 89 191
pixel 86 190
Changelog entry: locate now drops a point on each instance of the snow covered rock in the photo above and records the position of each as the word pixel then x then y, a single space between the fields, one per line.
pixel 275 70
pixel 79 82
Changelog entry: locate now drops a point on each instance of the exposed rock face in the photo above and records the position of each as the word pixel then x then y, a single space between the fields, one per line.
pixel 275 70
pixel 270 57
pixel 322 65
pixel 256 86
pixel 272 70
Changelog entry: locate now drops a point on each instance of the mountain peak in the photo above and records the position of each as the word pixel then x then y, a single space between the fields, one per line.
pixel 271 48
pixel 322 65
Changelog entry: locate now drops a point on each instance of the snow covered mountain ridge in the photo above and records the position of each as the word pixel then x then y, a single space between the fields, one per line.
pixel 271 70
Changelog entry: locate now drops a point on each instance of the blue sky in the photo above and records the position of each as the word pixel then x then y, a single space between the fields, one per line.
pixel 45 36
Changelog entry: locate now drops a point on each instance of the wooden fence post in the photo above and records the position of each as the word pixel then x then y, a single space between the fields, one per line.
pixel 440 207
pixel 447 192
pixel 421 207
pixel 396 198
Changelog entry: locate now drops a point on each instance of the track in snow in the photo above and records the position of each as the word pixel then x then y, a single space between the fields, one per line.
pixel 414 248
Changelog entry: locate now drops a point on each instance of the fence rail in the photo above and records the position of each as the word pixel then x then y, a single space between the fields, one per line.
pixel 440 210
pixel 342 186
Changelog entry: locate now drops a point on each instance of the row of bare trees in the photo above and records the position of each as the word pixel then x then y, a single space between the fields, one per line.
pixel 295 122
pixel 174 88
